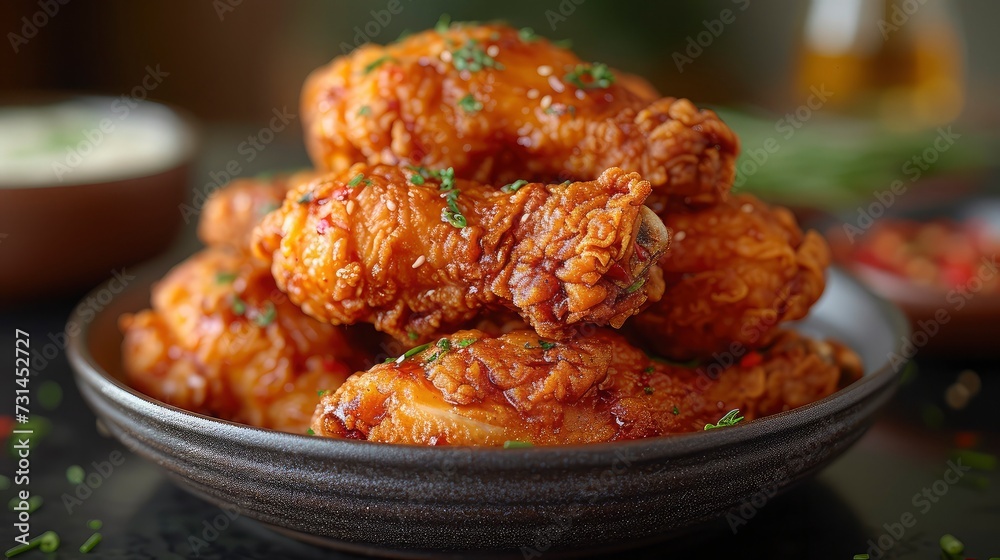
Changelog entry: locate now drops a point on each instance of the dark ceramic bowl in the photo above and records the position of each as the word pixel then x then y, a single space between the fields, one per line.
pixel 410 501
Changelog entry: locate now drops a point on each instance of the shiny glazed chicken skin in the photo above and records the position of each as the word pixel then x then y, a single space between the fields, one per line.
pixel 473 389
pixel 498 106
pixel 230 214
pixel 418 253
pixel 222 340
pixel 734 272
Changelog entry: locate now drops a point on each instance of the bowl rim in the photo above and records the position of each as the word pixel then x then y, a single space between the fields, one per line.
pixel 88 371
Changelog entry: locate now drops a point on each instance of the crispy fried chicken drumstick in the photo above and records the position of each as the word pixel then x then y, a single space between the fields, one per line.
pixel 417 252
pixel 222 340
pixel 473 389
pixel 734 272
pixel 499 106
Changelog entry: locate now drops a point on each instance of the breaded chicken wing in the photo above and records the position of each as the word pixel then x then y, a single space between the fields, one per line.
pixel 231 213
pixel 734 272
pixel 222 340
pixel 499 106
pixel 418 253
pixel 473 389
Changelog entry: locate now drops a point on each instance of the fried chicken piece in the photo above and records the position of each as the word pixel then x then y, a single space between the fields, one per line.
pixel 230 214
pixel 419 253
pixel 473 389
pixel 498 107
pixel 222 340
pixel 734 272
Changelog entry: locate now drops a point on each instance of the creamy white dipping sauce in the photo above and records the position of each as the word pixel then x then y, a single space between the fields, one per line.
pixel 89 140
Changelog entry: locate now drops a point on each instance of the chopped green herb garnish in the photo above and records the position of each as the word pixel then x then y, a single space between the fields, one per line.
pixel 356 180
pixel 22 548
pixel 452 214
pixel 566 182
pixel 417 179
pixel 513 444
pixel 470 104
pixel 730 419
pixel 4 482
pixel 466 342
pixel 75 474
pixel 376 63
pixel 310 432
pixel 635 285
pixel 306 198
pixel 976 459
pixel 412 335
pixel 559 109
pixel 266 315
pixel 649 369
pixel 432 357
pixel 404 34
pixel 861 557
pixel 443 23
pixel 225 277
pixel 444 344
pixel 95 524
pixel 473 58
pixel 321 392
pixel 590 76
pixel 563 43
pixel 951 546
pixel 546 345
pixel 676 411
pixel 527 34
pixel 34 502
pixel 93 541
pixel 388 360
pixel 648 390
pixel 49 541
pixel 513 187
pixel 239 306
pixel 364 111
pixel 412 352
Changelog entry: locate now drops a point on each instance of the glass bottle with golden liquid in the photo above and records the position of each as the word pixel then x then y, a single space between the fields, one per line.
pixel 898 61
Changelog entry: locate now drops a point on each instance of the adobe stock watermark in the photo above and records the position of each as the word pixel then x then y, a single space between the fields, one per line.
pixel 88 309
pixel 913 168
pixel 901 14
pixel 960 296
pixel 757 157
pixel 211 530
pixel 31 25
pixel 922 502
pixel 696 44
pixel 561 14
pixel 375 26
pixel 99 473
pixel 249 149
pixel 549 534
pixel 121 107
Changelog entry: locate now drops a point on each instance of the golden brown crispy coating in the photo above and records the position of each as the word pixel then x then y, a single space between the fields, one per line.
pixel 222 340
pixel 475 389
pixel 230 214
pixel 498 108
pixel 735 270
pixel 370 245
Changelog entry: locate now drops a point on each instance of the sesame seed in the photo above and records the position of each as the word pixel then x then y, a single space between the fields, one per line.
pixel 446 56
pixel 350 206
pixel 420 260
pixel 546 101
pixel 679 236
pixel 545 70
pixel 524 218
pixel 532 93
pixel 748 208
pixel 391 205
pixel 556 84
pixel 579 94
pixel 493 50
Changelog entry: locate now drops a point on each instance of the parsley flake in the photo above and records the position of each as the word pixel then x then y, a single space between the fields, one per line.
pixel 443 23
pixel 306 198
pixel 412 335
pixel 676 411
pixel 527 34
pixel 376 63
pixel 225 277
pixel 444 344
pixel 513 187
pixel 730 419
pixel 465 342
pixel 310 432
pixel 648 390
pixel 514 444
pixel 266 315
pixel 357 180
pixel 239 306
pixel 590 76
pixel 470 104
pixel 546 345
pixel 473 58
pixel 364 111
pixel 635 285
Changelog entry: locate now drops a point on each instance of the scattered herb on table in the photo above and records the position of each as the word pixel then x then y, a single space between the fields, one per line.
pixel 730 419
